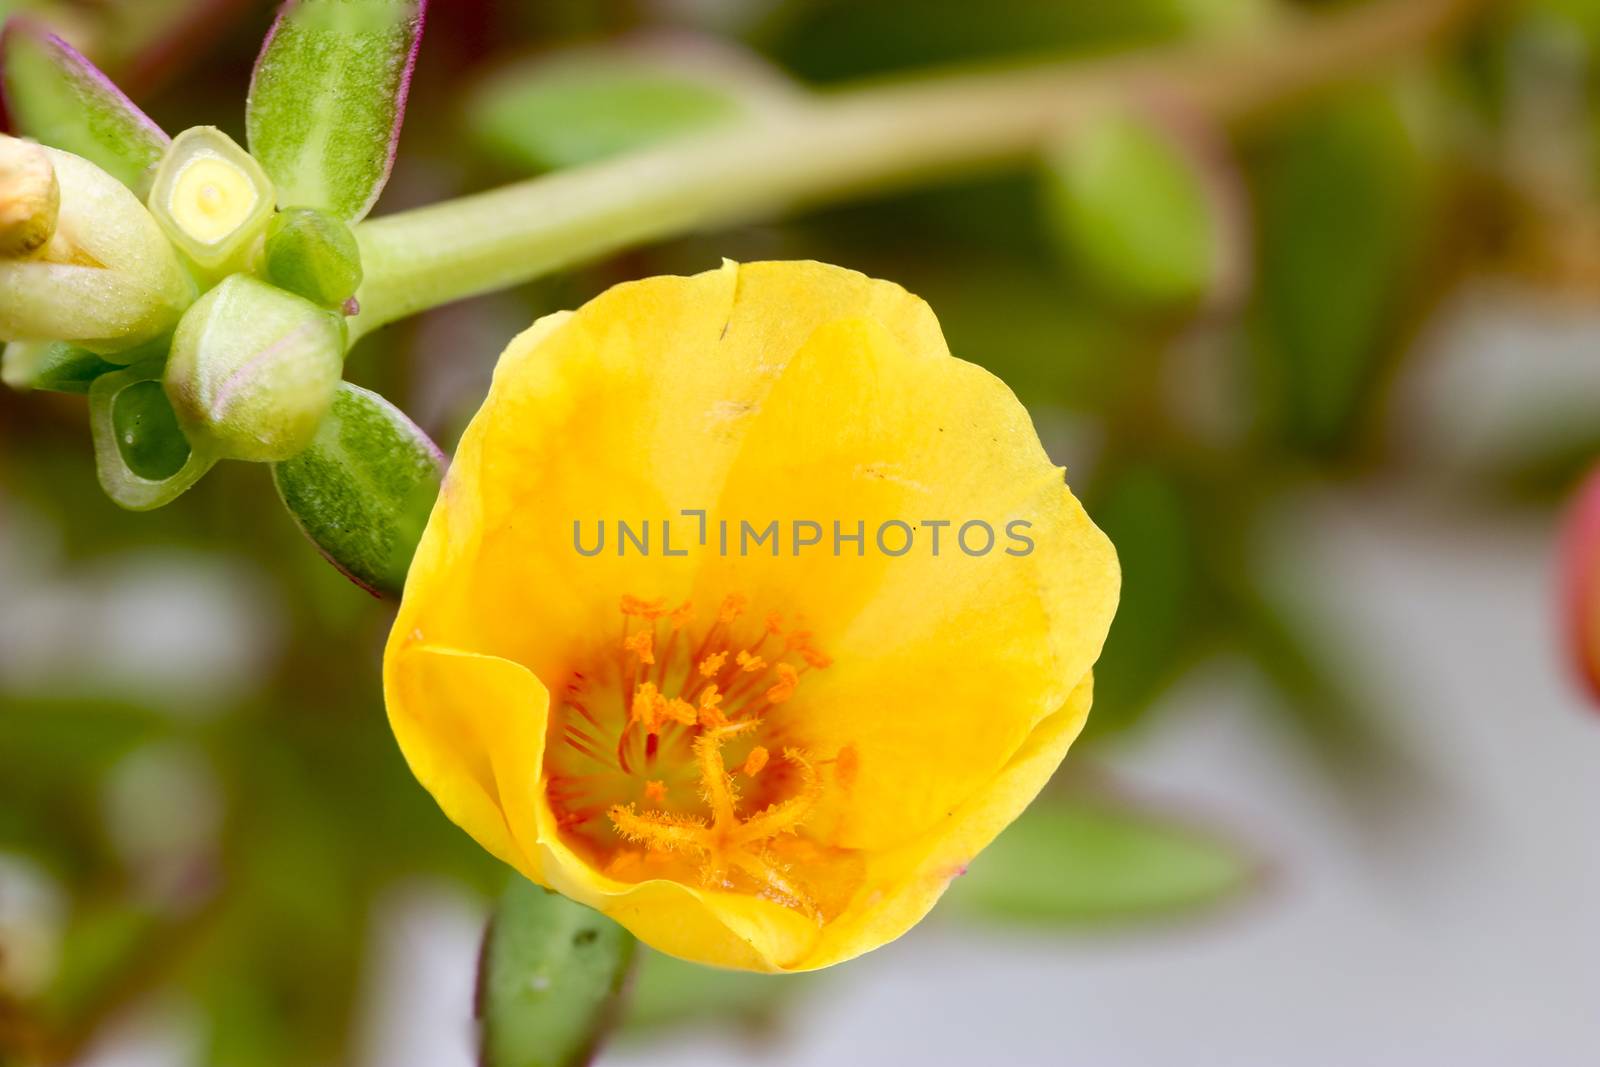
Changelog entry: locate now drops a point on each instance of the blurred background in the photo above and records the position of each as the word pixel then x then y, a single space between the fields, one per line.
pixel 1325 377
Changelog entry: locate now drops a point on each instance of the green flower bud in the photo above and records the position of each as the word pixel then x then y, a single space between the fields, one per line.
pixel 108 280
pixel 211 197
pixel 253 370
pixel 30 198
pixel 311 253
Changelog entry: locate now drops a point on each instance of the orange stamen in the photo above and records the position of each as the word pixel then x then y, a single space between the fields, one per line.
pixel 712 664
pixel 644 609
pixel 755 761
pixel 750 663
pixel 788 679
pixel 643 710
pixel 641 644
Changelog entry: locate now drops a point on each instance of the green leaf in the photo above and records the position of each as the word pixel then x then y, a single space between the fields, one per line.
pixel 1133 211
pixel 1143 509
pixel 59 98
pixel 51 366
pixel 589 104
pixel 549 981
pixel 1342 220
pixel 1081 862
pixel 328 97
pixel 832 40
pixel 102 940
pixel 669 992
pixel 363 490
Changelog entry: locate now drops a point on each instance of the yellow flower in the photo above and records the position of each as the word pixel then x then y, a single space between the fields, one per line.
pixel 769 757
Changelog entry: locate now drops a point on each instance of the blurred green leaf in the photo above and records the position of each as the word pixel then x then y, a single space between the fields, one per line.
pixel 327 99
pixel 1082 862
pixel 104 940
pixel 363 490
pixel 549 981
pixel 586 105
pixel 1142 508
pixel 1342 218
pixel 1132 211
pixel 669 992
pixel 1316 697
pixel 835 39
pixel 59 98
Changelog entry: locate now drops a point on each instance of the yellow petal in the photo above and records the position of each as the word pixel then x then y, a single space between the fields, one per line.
pixel 904 884
pixel 472 729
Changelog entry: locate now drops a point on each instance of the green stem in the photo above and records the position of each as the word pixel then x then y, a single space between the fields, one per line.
pixel 848 142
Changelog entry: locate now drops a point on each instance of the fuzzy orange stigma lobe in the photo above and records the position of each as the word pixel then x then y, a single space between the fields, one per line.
pixel 665 761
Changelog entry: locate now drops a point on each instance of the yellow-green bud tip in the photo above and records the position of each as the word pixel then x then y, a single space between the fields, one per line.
pixel 210 196
pixel 30 198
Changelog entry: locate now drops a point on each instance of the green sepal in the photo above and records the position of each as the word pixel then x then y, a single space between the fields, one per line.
pixel 327 99
pixel 363 490
pixel 59 98
pixel 549 980
pixel 140 438
pixel 51 367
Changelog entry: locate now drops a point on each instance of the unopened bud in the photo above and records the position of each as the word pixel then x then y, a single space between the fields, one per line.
pixel 253 370
pixel 210 196
pixel 311 253
pixel 29 198
pixel 107 281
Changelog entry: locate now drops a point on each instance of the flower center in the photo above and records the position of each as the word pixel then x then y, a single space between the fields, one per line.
pixel 664 759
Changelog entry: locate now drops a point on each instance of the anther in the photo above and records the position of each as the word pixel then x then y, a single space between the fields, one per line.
pixel 641 644
pixel 644 609
pixel 788 679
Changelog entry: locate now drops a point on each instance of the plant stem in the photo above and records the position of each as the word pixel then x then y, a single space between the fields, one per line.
pixel 851 141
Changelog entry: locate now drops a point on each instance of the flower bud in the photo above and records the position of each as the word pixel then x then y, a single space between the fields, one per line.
pixel 311 253
pixel 108 280
pixel 253 370
pixel 211 197
pixel 30 197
